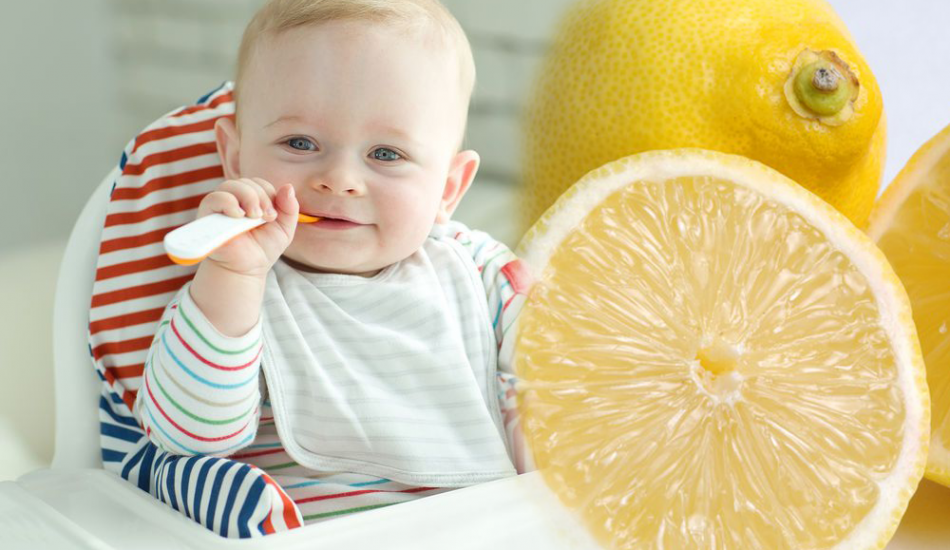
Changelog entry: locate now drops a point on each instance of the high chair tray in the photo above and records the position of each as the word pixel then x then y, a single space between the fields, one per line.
pixel 27 522
pixel 91 509
pixel 96 510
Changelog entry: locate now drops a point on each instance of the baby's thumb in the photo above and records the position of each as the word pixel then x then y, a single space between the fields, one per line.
pixel 287 209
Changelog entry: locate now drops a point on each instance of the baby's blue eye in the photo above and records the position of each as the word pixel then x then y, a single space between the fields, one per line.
pixel 383 153
pixel 301 144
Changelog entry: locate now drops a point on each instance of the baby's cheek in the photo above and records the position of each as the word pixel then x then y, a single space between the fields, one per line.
pixel 406 235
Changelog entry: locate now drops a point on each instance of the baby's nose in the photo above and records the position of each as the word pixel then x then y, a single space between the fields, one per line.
pixel 339 183
pixel 339 189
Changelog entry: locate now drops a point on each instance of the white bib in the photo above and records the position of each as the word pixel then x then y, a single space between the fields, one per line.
pixel 391 375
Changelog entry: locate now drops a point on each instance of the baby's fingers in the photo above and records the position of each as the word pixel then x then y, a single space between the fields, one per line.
pixel 220 202
pixel 270 211
pixel 287 208
pixel 266 186
pixel 253 197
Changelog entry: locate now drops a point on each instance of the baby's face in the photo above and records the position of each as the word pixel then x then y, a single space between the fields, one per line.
pixel 364 122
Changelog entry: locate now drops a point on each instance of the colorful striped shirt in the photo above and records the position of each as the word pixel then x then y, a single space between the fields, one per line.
pixel 203 394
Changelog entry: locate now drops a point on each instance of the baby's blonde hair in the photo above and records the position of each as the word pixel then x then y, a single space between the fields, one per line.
pixel 277 16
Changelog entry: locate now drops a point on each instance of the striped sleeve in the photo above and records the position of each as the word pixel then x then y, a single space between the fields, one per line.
pixel 201 393
pixel 507 282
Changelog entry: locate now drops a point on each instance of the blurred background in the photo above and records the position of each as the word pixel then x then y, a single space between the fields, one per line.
pixel 79 78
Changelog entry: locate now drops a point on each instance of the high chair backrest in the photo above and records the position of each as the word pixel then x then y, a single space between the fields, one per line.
pixel 162 175
pixel 114 284
pixel 76 388
pixel 115 280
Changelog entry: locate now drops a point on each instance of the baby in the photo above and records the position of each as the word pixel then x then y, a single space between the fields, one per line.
pixel 361 360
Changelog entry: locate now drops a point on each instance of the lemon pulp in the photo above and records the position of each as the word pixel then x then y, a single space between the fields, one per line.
pixel 704 368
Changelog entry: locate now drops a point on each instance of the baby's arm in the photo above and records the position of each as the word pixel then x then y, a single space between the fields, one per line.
pixel 507 282
pixel 229 284
pixel 201 389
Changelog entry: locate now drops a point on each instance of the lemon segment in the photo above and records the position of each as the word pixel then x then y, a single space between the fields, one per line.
pixel 713 357
pixel 911 225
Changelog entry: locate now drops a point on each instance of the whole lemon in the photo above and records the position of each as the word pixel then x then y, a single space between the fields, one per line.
pixel 778 81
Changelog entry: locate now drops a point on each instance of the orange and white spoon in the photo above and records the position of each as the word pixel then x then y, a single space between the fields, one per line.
pixel 195 241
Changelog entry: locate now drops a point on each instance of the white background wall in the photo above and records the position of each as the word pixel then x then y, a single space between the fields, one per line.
pixel 57 113
pixel 79 77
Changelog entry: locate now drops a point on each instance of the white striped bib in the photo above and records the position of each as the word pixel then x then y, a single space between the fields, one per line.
pixel 391 375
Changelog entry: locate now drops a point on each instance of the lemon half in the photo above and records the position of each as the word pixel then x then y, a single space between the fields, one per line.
pixel 713 357
pixel 911 224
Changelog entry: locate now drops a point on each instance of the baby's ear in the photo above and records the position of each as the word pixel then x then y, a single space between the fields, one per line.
pixel 461 173
pixel 229 146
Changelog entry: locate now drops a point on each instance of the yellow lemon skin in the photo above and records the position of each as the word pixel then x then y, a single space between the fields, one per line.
pixel 627 76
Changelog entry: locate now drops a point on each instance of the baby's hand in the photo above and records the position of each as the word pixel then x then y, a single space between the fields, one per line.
pixel 253 252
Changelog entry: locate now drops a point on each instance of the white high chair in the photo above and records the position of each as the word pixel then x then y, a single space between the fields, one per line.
pixel 77 504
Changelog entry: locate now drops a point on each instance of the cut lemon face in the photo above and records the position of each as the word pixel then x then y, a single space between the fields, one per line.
pixel 911 224
pixel 713 357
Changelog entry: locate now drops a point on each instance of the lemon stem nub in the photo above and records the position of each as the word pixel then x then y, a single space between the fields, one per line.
pixel 826 80
pixel 822 87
